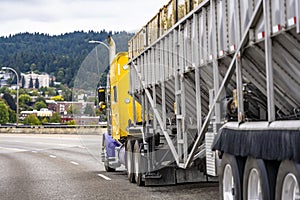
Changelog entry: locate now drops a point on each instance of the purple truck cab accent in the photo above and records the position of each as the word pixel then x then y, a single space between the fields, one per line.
pixel 111 144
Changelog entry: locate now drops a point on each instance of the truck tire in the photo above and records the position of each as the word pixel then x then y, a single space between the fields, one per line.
pixel 138 165
pixel 288 179
pixel 230 178
pixel 256 184
pixel 129 161
pixel 106 161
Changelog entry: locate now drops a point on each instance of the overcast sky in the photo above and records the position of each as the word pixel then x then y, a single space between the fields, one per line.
pixel 62 16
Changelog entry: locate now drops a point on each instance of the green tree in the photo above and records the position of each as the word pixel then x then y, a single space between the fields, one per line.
pixel 67 93
pixel 12 116
pixel 91 99
pixel 23 91
pixel 4 90
pixel 35 93
pixel 23 82
pixel 45 121
pixel 72 122
pixel 51 91
pixel 4 114
pixel 41 98
pixel 37 83
pixel 32 120
pixel 10 101
pixel 51 83
pixel 24 99
pixel 55 118
pixel 60 75
pixel 39 104
pixel 49 54
pixel 73 110
pixel 32 67
pixel 30 83
pixel 89 110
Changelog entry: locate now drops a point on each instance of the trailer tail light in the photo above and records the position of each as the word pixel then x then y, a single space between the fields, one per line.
pixel 221 53
pixel 232 48
pixel 276 28
pixel 261 35
pixel 292 21
pixel 202 61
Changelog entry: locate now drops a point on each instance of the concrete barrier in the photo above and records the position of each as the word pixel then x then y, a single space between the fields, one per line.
pixel 53 130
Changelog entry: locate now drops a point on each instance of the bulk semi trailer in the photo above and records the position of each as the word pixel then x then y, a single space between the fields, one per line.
pixel 210 88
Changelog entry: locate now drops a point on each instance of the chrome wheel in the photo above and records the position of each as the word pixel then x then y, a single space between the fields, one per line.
pixel 136 165
pixel 290 188
pixel 129 162
pixel 254 186
pixel 228 183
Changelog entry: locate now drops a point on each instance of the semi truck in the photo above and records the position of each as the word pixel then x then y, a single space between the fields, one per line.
pixel 210 89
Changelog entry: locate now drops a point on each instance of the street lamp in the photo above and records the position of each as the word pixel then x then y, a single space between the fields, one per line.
pixel 99 42
pixel 8 68
pixel 111 48
pixel 112 52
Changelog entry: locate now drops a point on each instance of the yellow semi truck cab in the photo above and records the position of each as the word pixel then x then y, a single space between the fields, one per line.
pixel 121 103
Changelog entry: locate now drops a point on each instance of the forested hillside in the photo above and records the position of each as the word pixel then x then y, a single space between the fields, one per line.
pixel 60 56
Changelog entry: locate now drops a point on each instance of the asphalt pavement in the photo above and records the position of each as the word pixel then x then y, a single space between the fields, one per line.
pixel 69 167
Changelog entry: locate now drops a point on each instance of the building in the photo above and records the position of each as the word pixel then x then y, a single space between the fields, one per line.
pixel 44 112
pixel 4 77
pixel 62 107
pixel 44 79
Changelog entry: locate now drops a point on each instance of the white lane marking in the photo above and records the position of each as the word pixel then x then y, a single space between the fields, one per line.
pixel 12 149
pixel 34 151
pixel 55 144
pixel 74 163
pixel 81 147
pixel 52 156
pixel 105 177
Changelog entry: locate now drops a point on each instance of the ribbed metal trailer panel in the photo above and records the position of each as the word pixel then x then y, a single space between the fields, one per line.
pixel 190 70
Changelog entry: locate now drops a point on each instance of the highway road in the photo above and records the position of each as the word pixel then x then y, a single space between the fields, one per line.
pixel 69 167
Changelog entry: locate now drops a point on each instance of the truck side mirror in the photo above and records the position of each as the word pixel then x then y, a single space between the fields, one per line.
pixel 101 94
pixel 101 98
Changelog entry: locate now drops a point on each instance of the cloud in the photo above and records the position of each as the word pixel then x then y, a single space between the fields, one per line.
pixel 59 16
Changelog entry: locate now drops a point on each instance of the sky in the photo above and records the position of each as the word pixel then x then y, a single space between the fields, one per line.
pixel 56 17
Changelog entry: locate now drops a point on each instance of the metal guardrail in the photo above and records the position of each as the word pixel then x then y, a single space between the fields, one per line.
pixel 51 126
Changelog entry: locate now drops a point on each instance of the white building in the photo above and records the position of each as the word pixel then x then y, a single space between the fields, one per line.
pixel 4 77
pixel 44 112
pixel 43 78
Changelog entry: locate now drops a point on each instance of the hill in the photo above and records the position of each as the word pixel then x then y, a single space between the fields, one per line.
pixel 60 55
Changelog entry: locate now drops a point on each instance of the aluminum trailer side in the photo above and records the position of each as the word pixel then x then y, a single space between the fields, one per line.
pixel 225 77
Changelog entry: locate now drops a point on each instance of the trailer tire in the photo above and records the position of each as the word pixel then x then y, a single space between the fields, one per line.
pixel 288 180
pixel 129 161
pixel 106 161
pixel 138 164
pixel 256 183
pixel 231 169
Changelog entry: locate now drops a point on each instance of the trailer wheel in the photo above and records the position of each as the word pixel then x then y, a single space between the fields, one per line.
pixel 256 183
pixel 106 161
pixel 230 178
pixel 288 179
pixel 138 165
pixel 129 161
